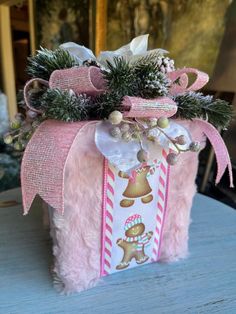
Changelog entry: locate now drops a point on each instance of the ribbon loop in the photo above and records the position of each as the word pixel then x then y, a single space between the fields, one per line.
pixel 137 107
pixel 88 80
pixel 26 93
pixel 182 86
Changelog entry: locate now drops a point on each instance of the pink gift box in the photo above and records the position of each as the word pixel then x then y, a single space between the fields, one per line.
pixel 93 209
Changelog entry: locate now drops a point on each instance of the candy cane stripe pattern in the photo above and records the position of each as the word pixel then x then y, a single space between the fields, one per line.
pixel 108 204
pixel 161 205
pixel 139 214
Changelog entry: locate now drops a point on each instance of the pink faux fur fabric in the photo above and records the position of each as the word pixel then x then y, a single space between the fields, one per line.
pixel 77 234
pixel 182 189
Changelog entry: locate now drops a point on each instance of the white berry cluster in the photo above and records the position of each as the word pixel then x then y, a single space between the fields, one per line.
pixel 129 130
pixel 157 82
pixel 165 64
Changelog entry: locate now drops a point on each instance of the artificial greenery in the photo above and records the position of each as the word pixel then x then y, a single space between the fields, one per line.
pixel 120 77
pixel 145 77
pixel 195 105
pixel 46 61
pixel 154 85
pixel 104 104
pixel 142 78
pixel 65 105
pixel 151 82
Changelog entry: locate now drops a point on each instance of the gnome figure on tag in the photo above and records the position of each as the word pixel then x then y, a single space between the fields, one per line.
pixel 134 242
pixel 137 187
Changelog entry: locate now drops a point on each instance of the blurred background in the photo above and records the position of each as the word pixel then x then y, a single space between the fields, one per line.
pixel 197 33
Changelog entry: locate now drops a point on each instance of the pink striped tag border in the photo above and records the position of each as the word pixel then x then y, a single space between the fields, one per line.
pixel 108 207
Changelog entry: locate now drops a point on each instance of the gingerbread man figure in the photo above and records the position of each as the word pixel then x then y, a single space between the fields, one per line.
pixel 134 243
pixel 136 188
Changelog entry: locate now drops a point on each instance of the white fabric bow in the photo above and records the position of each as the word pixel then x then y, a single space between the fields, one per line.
pixel 137 48
pixel 123 155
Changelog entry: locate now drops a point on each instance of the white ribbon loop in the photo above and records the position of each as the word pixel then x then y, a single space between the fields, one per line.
pixel 137 48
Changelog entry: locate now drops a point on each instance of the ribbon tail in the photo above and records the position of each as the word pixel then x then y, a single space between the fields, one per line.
pixel 44 162
pixel 220 149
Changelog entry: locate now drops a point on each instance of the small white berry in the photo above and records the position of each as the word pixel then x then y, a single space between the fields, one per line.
pixel 152 122
pixel 194 147
pixel 124 127
pixel 181 140
pixel 142 155
pixel 115 132
pixel 15 124
pixel 163 122
pixel 172 159
pixel 31 114
pixel 127 137
pixel 7 138
pixel 115 117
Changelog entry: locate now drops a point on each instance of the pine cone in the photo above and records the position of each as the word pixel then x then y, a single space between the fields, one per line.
pixel 155 84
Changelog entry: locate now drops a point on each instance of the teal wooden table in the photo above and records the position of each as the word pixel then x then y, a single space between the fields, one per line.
pixel 204 283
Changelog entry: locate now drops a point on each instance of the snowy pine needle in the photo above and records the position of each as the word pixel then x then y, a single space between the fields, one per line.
pixel 65 105
pixel 46 61
pixel 195 105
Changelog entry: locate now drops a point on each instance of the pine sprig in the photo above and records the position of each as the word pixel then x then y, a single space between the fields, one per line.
pixel 120 77
pixel 104 104
pixel 65 106
pixel 46 61
pixel 150 81
pixel 140 78
pixel 195 105
pixel 189 106
pixel 150 60
pixel 219 113
pixel 145 77
pixel 153 85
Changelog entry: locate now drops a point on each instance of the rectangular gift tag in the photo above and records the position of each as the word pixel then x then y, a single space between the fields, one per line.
pixel 133 215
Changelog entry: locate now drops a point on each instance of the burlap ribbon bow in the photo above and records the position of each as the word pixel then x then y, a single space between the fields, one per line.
pixel 47 174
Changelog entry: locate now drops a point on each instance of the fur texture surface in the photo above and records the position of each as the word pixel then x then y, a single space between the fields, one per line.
pixel 77 234
pixel 182 189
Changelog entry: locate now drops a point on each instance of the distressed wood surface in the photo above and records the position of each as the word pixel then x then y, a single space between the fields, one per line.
pixel 204 283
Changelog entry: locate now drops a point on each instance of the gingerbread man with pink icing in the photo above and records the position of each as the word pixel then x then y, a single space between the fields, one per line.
pixel 134 242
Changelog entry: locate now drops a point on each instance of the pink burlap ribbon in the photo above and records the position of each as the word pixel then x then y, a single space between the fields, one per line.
pixel 44 160
pixel 221 152
pixel 26 93
pixel 138 107
pixel 182 76
pixel 43 164
pixel 89 80
pixel 82 80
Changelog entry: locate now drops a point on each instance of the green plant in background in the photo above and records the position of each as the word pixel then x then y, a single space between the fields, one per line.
pixel 9 167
